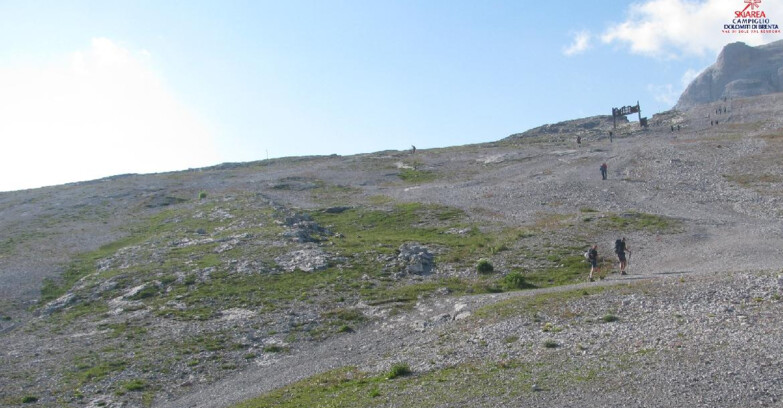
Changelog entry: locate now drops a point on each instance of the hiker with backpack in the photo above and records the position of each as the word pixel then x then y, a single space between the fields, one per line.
pixel 592 256
pixel 620 248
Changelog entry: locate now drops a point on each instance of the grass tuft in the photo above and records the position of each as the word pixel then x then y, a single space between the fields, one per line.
pixel 484 266
pixel 398 370
pixel 551 344
pixel 609 318
pixel 274 348
pixel 516 280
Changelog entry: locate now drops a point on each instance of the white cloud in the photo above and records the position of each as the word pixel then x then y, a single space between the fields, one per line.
pixel 688 77
pixel 579 45
pixel 664 93
pixel 669 94
pixel 672 28
pixel 96 113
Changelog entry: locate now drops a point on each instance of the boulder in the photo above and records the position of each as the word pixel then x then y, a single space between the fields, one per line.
pixel 416 259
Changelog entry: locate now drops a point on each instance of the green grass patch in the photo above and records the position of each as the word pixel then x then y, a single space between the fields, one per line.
pixel 351 315
pixel 504 383
pixel 83 265
pixel 484 266
pixel 166 226
pixel 91 368
pixel 264 291
pixel 330 195
pixel 567 265
pixel 124 330
pixel 398 370
pixel 133 385
pixel 370 231
pixel 417 176
pixel 168 244
pixel 380 200
pixel 636 221
pixel 79 310
pixel 532 305
pixel 274 348
pixel 147 291
pixel 609 318
pixel 516 281
pixel 345 329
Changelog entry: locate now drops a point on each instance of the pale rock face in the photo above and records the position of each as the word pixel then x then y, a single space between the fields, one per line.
pixel 740 71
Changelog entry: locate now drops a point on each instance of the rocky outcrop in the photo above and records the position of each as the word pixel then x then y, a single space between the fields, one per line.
pixel 740 71
pixel 415 259
pixel 302 229
pixel 307 259
pixel 599 125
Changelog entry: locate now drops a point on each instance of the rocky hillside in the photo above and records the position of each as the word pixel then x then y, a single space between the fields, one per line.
pixel 444 277
pixel 741 71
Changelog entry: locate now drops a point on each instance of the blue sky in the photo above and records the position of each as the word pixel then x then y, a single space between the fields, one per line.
pixel 90 89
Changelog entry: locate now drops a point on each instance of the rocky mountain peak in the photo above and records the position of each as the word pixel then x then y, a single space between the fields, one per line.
pixel 740 71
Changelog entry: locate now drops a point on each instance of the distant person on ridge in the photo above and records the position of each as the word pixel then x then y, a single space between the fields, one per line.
pixel 603 171
pixel 620 248
pixel 592 256
pixel 413 149
pixel 579 141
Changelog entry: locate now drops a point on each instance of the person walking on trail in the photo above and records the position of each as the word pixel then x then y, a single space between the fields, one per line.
pixel 592 256
pixel 604 168
pixel 579 141
pixel 620 248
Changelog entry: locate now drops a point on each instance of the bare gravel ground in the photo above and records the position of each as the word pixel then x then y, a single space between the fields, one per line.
pixel 699 316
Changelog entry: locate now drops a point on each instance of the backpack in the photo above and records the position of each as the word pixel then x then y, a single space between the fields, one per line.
pixel 619 246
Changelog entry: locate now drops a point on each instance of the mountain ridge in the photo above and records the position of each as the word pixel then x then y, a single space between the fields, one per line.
pixel 739 71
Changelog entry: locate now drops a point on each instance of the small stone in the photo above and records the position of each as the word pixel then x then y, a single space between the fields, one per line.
pixel 535 388
pixel 442 291
pixel 462 315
